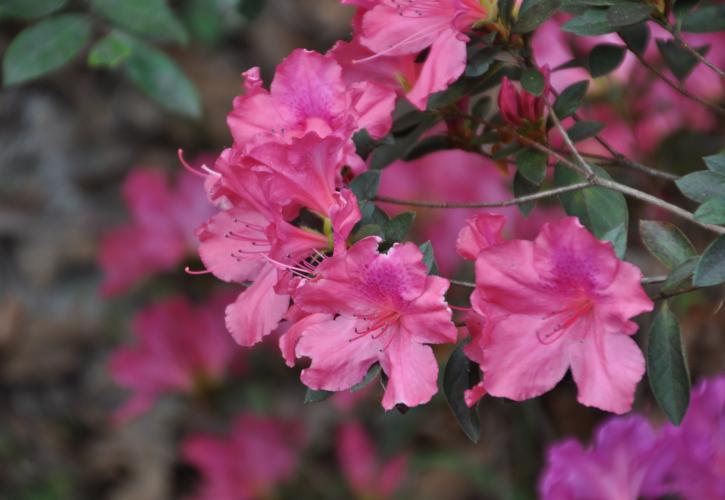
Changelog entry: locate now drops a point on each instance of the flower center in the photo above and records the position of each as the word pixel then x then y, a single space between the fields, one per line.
pixel 557 323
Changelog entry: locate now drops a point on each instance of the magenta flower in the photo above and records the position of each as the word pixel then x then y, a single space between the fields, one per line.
pixel 179 348
pixel 259 453
pixel 697 467
pixel 160 233
pixel 387 308
pixel 394 28
pixel 620 464
pixel 561 301
pixel 368 477
pixel 480 233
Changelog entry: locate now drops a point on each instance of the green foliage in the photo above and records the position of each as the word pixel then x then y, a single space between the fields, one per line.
pixel 605 58
pixel 584 130
pixel 111 50
pixel 706 19
pixel 162 80
pixel 534 14
pixel 593 22
pixel 29 9
pixel 666 242
pixel 636 37
pixel 667 370
pixel 313 396
pixel 679 61
pixel 152 19
pixel 680 275
pixel 398 145
pixel 710 269
pixel 623 14
pixel 459 375
pixel 398 227
pixel 533 81
pixel 600 210
pixel 365 186
pixel 524 187
pixel 532 163
pixel 570 99
pixel 712 211
pixel 44 47
pixel 429 257
pixel 702 185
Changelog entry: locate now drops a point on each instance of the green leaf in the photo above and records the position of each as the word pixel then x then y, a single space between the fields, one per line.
pixel 680 275
pixel 605 58
pixel 429 257
pixel 716 163
pixel 531 163
pixel 506 151
pixel 710 269
pixel 399 146
pixel 679 61
pixel 599 210
pixel 523 187
pixel 636 37
pixel 313 396
pixel 593 22
pixel 532 17
pixel 459 376
pixel 162 80
pixel 365 186
pixel 480 61
pixel 28 9
pixel 623 14
pixel 712 211
pixel 702 186
pixel 110 51
pixel 251 9
pixel 570 99
pixel 505 10
pixel 481 107
pixel 368 230
pixel 152 19
pixel 667 370
pixel 666 242
pixel 428 145
pixel 373 372
pixel 44 47
pixel 532 81
pixel 398 227
pixel 584 130
pixel 706 19
pixel 618 237
pixel 205 19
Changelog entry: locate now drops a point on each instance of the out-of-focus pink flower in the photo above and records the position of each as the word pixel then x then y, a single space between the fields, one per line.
pixel 393 28
pixel 259 454
pixel 618 466
pixel 697 447
pixel 387 308
pixel 179 347
pixel 368 478
pixel 457 176
pixel 522 109
pixel 564 300
pixel 161 230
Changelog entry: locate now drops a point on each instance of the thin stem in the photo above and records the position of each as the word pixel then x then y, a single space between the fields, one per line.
pixel 570 144
pixel 622 161
pixel 467 284
pixel 486 204
pixel 678 88
pixel 650 280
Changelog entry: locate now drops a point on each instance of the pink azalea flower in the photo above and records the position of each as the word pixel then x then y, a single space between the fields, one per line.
pixel 368 478
pixel 620 464
pixel 394 28
pixel 179 348
pixel 160 233
pixel 520 108
pixel 248 464
pixel 563 300
pixel 387 308
pixel 480 233
pixel 697 466
pixel 307 95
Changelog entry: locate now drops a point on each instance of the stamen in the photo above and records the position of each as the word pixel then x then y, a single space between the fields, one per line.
pixel 192 272
pixel 189 167
pixel 411 38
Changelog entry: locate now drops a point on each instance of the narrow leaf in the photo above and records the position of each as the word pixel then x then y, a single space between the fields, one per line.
pixel 457 378
pixel 710 269
pixel 313 396
pixel 667 370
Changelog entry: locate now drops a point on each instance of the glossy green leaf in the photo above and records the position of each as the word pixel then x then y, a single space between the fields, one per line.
pixel 570 99
pixel 636 37
pixel 399 146
pixel 680 276
pixel 706 19
pixel 532 81
pixel 716 163
pixel 534 15
pixel 584 130
pixel 666 242
pixel 712 211
pixel 599 210
pixel 459 375
pixel 702 186
pixel 710 269
pixel 532 163
pixel 605 58
pixel 313 396
pixel 28 9
pixel 110 51
pixel 365 186
pixel 398 227
pixel 593 22
pixel 667 370
pixel 679 61
pixel 162 80
pixel 429 257
pixel 152 19
pixel 44 47
pixel 623 14
pixel 618 237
